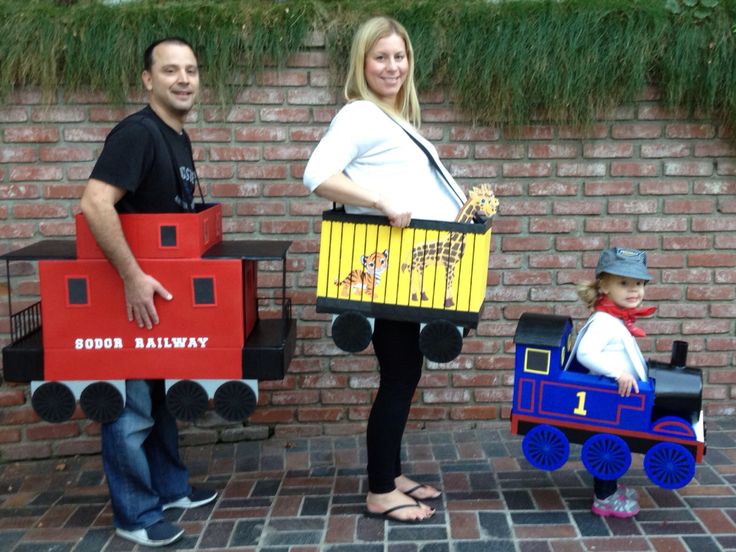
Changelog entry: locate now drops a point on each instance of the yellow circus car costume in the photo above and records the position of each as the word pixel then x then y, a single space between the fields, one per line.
pixel 430 272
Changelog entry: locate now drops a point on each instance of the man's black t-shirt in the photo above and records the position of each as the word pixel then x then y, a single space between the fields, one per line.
pixel 136 157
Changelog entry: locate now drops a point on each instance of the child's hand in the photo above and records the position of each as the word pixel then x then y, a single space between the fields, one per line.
pixel 627 382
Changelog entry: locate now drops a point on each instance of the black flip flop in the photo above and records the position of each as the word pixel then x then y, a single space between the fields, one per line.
pixel 416 488
pixel 386 514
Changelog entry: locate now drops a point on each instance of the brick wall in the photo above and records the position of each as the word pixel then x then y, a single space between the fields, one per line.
pixel 641 176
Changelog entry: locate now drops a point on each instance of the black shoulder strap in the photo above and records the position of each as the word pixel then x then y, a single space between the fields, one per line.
pixel 431 158
pixel 153 127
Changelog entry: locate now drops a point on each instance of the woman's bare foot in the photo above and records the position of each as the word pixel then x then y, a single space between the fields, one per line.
pixel 416 490
pixel 409 508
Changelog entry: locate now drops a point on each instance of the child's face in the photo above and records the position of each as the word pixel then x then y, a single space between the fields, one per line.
pixel 625 292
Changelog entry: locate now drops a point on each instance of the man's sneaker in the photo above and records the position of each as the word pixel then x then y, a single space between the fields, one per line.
pixel 160 533
pixel 616 505
pixel 197 498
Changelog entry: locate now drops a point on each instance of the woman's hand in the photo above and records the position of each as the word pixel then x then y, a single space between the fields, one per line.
pixel 627 382
pixel 397 214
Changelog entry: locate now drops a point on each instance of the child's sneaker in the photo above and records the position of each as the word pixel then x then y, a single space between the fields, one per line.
pixel 631 494
pixel 616 505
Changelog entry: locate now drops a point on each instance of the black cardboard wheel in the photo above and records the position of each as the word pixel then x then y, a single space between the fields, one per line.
pixel 186 400
pixel 235 401
pixel 101 402
pixel 54 402
pixel 351 331
pixel 440 341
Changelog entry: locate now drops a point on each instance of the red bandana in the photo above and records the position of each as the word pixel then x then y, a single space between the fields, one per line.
pixel 629 316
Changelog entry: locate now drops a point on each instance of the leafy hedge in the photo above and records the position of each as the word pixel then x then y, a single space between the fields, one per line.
pixel 502 60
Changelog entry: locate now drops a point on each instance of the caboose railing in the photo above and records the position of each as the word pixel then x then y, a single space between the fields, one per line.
pixel 25 322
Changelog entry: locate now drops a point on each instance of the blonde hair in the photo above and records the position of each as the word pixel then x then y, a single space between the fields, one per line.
pixel 589 291
pixel 356 87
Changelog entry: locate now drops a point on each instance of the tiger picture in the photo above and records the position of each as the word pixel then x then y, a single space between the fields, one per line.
pixel 366 279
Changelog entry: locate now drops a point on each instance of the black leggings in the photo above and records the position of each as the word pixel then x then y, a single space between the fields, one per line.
pixel 396 345
pixel 604 488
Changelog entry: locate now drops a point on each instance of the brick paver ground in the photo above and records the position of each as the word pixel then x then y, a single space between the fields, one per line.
pixel 307 495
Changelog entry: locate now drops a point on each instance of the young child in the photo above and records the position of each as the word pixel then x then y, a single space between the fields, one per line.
pixel 606 346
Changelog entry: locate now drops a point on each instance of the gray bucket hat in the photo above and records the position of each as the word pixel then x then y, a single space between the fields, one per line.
pixel 622 261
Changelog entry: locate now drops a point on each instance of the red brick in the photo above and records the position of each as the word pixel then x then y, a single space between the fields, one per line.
pixel 589 132
pixel 657 111
pixel 453 151
pixel 12 397
pixel 86 134
pixel 689 130
pixel 272 415
pixel 632 206
pixel 39 210
pixel 636 131
pixel 263 172
pixel 577 207
pixel 680 206
pixel 509 243
pixel 553 188
pixel 58 114
pixel 19 191
pixel 686 242
pixel 715 187
pixel 31 134
pixel 581 169
pixel 633 168
pixel 286 152
pixel 345 396
pixel 10 435
pixel 17 154
pixel 608 150
pixel 530 132
pixel 717 149
pixel 228 153
pixel 257 95
pixel 608 225
pixel 499 151
pixel 660 224
pixel 474 413
pixel 604 188
pixel 311 96
pixel 474 170
pixel 26 451
pixel 664 186
pixel 552 226
pixel 13 115
pixel 320 414
pixel 282 78
pixel 688 168
pixel 444 115
pixel 45 431
pixel 536 169
pixel 553 151
pixel 307 134
pixel 665 150
pixel 475 134
pixel 285 115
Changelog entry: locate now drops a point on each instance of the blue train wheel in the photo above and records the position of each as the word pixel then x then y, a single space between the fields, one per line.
pixel 546 447
pixel 101 402
pixel 440 341
pixel 606 456
pixel 669 465
pixel 53 402
pixel 234 401
pixel 351 331
pixel 186 400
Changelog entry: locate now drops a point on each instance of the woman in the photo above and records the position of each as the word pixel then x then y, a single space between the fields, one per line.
pixel 374 161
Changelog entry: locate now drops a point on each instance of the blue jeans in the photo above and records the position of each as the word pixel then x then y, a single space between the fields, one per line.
pixel 140 454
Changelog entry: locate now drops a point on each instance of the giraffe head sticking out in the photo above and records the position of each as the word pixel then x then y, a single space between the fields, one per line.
pixel 481 201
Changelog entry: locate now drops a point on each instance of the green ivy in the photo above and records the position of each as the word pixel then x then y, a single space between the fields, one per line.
pixel 500 60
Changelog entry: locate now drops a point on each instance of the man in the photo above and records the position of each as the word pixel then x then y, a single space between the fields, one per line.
pixel 146 165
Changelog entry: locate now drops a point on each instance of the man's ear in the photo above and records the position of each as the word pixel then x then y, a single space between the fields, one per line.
pixel 146 78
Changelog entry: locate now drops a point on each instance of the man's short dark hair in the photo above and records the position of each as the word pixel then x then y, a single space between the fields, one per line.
pixel 148 54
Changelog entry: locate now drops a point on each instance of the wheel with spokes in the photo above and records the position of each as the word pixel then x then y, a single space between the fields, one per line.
pixel 546 447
